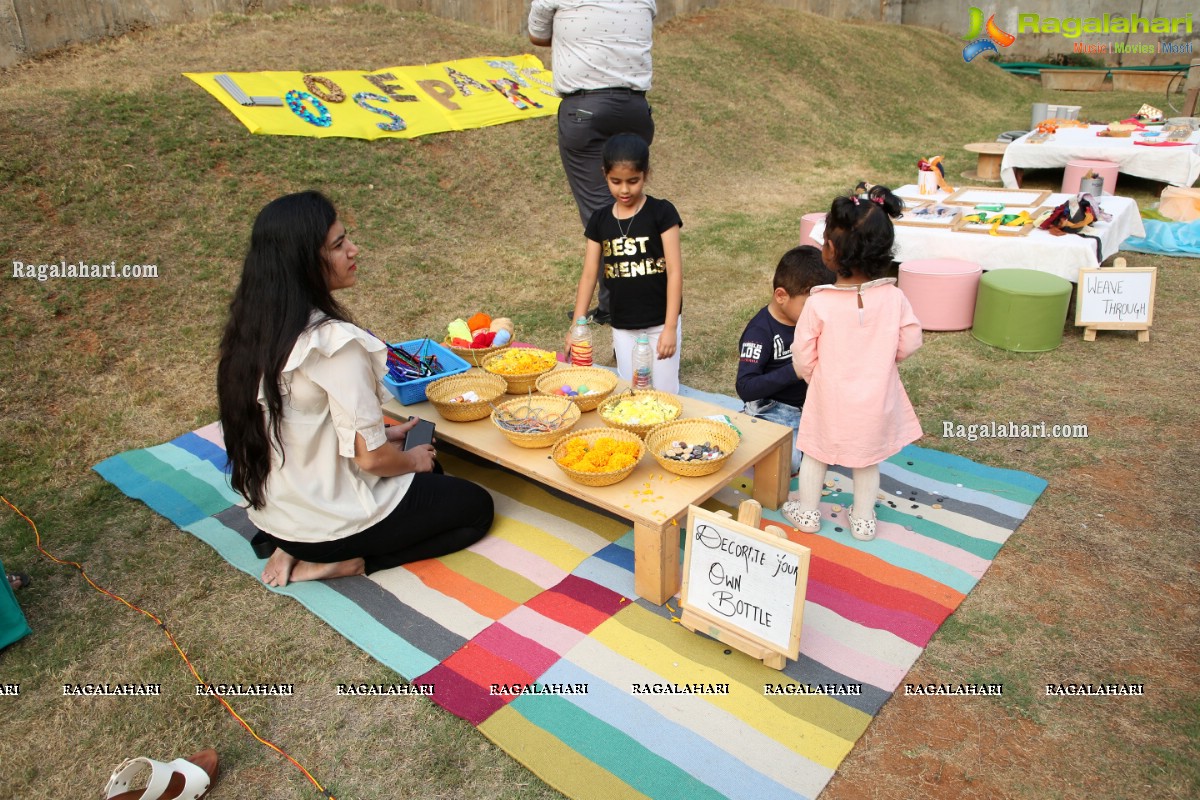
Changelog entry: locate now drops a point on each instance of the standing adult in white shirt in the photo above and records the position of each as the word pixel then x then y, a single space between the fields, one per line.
pixel 600 57
pixel 327 484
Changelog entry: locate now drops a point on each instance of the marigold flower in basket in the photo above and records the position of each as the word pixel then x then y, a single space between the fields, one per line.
pixel 521 361
pixel 606 455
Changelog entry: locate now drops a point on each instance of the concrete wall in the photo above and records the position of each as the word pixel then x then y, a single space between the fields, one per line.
pixel 953 19
pixel 30 27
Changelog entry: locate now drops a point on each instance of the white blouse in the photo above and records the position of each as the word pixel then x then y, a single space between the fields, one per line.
pixel 331 391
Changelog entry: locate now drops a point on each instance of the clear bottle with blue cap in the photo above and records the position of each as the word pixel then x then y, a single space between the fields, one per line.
pixel 643 363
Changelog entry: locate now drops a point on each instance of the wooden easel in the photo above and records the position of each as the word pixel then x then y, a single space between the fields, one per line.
pixel 749 513
pixel 1143 328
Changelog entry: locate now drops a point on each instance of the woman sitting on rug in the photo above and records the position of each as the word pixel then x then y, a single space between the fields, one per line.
pixel 298 385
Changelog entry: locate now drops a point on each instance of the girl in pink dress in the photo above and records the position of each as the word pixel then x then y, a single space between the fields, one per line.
pixel 849 339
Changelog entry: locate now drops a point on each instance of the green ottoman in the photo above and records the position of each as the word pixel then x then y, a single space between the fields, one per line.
pixel 1021 309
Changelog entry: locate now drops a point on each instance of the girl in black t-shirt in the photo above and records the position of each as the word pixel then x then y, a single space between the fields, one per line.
pixel 636 241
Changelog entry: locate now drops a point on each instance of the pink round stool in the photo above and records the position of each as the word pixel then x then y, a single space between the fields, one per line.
pixel 807 223
pixel 1078 167
pixel 941 291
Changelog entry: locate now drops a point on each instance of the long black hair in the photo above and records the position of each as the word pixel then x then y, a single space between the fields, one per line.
pixel 626 148
pixel 860 228
pixel 283 282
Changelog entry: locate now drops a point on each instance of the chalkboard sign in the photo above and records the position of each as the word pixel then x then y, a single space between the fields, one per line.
pixel 737 578
pixel 1116 298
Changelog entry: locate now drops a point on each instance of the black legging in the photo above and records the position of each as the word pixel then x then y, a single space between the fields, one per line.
pixel 439 514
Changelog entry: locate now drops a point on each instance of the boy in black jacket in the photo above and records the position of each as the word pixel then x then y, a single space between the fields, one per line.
pixel 766 380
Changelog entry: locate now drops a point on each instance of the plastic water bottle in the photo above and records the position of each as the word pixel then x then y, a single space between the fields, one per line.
pixel 643 363
pixel 581 344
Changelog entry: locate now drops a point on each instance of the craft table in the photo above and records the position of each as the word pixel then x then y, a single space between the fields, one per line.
pixel 1040 250
pixel 1178 166
pixel 653 500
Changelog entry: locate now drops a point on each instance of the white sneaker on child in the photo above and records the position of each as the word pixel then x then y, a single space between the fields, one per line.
pixel 808 521
pixel 861 529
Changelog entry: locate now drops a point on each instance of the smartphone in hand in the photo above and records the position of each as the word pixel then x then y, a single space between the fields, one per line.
pixel 421 433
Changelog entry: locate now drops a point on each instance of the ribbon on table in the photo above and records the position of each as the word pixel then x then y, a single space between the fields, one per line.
pixel 934 164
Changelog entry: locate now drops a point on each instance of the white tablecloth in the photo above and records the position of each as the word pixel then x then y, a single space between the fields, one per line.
pixel 1040 250
pixel 1178 166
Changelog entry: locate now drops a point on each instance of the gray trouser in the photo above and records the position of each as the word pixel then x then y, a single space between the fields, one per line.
pixel 585 122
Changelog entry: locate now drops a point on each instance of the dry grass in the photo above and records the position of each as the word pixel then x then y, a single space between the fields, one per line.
pixel 763 115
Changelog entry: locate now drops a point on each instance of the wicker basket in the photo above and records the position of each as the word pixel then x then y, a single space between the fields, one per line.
pixel 533 404
pixel 641 430
pixel 591 435
pixel 517 384
pixel 475 356
pixel 692 431
pixel 601 380
pixel 489 387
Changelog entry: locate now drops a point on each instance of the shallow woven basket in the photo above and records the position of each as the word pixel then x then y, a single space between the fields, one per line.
pixel 489 387
pixel 694 432
pixel 546 405
pixel 640 430
pixel 475 356
pixel 517 384
pixel 591 435
pixel 592 377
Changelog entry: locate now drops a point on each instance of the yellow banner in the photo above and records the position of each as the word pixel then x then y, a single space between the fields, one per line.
pixel 403 102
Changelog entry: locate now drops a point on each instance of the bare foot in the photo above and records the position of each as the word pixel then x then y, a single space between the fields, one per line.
pixel 279 568
pixel 312 571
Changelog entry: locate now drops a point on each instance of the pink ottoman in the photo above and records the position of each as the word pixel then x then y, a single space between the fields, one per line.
pixel 941 292
pixel 1078 167
pixel 807 223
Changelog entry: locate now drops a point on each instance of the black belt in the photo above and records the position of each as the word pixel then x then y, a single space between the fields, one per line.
pixel 608 90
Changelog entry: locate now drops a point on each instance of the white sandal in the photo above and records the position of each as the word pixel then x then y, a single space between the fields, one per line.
pixel 808 520
pixel 861 529
pixel 181 779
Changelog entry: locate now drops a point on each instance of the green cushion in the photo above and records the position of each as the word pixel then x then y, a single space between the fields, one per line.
pixel 1021 309
pixel 1027 281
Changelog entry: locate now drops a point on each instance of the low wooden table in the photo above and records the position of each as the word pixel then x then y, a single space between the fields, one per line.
pixel 990 156
pixel 656 517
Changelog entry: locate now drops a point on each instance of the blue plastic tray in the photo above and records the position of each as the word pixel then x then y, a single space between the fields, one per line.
pixel 412 392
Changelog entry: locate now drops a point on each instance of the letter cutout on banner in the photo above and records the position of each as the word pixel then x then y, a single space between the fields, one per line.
pixel 464 83
pixel 324 89
pixel 512 90
pixel 390 89
pixel 440 91
pixel 397 123
pixel 449 96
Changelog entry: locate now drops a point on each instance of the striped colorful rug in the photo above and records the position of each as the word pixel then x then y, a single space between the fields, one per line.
pixel 536 636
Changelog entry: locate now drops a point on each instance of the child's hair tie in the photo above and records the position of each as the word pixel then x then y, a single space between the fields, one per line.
pixel 854 197
pixel 878 200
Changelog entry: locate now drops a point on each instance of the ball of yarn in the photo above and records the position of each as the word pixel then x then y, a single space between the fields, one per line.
pixel 458 330
pixel 479 322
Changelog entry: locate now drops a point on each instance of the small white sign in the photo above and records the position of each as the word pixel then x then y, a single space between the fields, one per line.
pixel 744 580
pixel 1116 298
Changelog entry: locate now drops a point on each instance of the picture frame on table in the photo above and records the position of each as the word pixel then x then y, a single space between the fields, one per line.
pixel 930 215
pixel 987 195
pixel 966 226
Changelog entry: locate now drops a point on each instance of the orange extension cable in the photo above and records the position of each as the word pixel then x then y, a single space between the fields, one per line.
pixel 38 543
